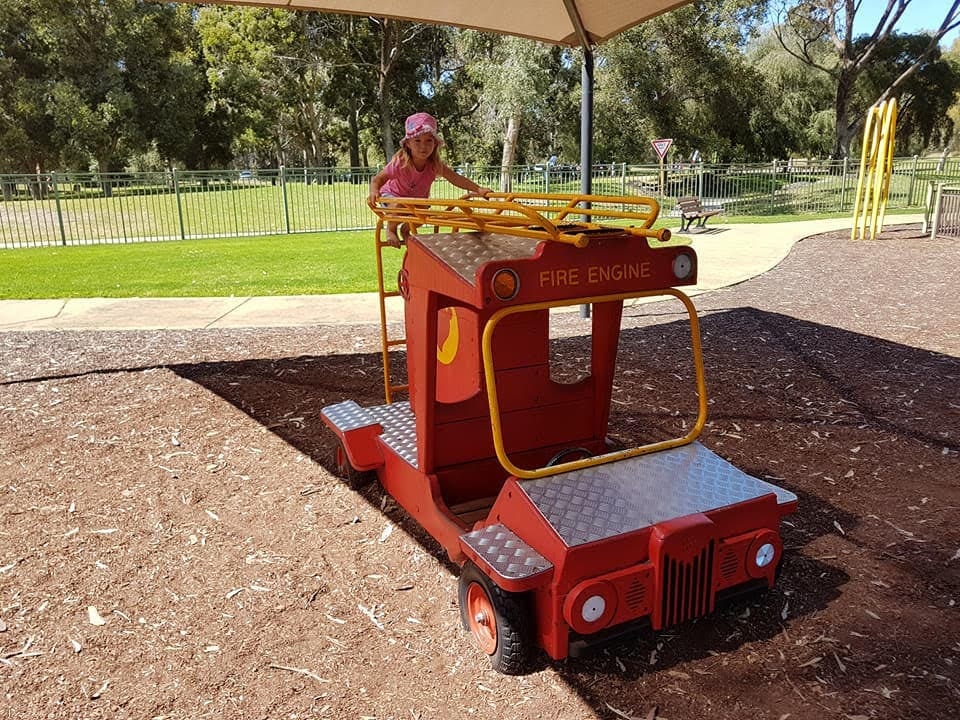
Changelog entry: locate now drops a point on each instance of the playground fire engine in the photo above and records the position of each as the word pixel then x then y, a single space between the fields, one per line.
pixel 563 540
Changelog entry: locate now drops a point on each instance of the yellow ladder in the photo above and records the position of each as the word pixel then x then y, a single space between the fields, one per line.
pixel 386 342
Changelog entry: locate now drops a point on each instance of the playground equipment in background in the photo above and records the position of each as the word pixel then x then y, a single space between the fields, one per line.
pixel 876 167
pixel 941 213
pixel 564 539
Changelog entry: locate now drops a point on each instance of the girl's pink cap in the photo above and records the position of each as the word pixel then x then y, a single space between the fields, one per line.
pixel 420 124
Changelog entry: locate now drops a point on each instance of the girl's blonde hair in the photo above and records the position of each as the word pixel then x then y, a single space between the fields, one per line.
pixel 403 158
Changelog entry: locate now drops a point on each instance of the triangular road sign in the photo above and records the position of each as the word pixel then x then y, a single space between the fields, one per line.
pixel 661 146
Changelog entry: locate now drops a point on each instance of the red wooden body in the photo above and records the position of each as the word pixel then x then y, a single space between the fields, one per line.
pixel 451 481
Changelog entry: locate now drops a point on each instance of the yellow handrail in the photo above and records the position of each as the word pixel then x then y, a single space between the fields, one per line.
pixel 540 216
pixel 494 402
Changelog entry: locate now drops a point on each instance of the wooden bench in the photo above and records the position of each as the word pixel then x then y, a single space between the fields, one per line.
pixel 692 209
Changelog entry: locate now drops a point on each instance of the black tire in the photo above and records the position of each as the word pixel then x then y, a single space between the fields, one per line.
pixel 355 479
pixel 559 457
pixel 509 649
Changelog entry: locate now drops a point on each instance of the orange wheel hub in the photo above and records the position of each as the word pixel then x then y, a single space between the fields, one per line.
pixel 482 618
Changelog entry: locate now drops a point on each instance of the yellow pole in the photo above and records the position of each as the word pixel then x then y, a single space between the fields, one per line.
pixel 888 171
pixel 861 175
pixel 880 168
pixel 869 172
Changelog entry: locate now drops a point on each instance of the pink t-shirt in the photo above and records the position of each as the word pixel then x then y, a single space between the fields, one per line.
pixel 407 181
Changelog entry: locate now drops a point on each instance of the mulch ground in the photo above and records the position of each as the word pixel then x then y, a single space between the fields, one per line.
pixel 173 544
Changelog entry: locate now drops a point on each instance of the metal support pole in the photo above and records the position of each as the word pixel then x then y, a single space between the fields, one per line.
pixel 56 197
pixel 586 135
pixel 176 193
pixel 843 182
pixel 283 195
pixel 938 198
pixel 586 122
pixel 913 180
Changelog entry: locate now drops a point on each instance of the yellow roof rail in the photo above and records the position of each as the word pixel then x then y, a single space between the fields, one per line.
pixel 557 217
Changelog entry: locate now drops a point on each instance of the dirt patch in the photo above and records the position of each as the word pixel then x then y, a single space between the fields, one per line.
pixel 178 483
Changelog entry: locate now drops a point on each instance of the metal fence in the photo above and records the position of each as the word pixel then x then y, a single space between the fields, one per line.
pixel 84 208
pixel 943 211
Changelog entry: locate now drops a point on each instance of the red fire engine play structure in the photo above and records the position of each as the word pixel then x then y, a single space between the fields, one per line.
pixel 562 540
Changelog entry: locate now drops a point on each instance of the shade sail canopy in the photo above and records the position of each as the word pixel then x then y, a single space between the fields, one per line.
pixel 559 22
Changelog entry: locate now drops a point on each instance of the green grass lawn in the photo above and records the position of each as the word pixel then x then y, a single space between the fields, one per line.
pixel 297 264
pixel 314 263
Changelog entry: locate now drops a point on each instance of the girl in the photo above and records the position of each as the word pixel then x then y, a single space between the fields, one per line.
pixel 414 167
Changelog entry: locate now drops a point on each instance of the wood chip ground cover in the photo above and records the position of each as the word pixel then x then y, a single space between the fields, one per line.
pixel 173 544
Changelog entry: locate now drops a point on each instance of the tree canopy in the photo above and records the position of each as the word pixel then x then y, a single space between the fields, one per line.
pixel 115 84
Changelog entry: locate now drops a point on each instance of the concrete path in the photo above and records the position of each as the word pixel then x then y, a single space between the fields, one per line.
pixel 728 254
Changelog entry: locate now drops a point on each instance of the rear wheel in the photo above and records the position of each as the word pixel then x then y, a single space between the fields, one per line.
pixel 356 479
pixel 498 620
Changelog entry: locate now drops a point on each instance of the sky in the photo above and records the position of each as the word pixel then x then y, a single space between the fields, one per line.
pixel 919 15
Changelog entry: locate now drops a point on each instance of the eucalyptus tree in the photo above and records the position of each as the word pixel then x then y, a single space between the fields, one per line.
pixel 924 97
pixel 803 27
pixel 521 82
pixel 94 80
pixel 684 76
pixel 26 81
pixel 377 70
pixel 952 120
pixel 268 75
pixel 803 100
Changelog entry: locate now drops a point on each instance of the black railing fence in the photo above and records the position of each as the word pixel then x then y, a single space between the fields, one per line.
pixel 88 208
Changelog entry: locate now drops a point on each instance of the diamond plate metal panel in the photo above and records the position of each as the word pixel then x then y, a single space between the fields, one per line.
pixel 396 419
pixel 509 556
pixel 466 252
pixel 348 415
pixel 607 500
pixel 399 429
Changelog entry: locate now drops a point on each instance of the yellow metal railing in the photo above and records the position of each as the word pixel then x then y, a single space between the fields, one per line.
pixel 490 375
pixel 540 216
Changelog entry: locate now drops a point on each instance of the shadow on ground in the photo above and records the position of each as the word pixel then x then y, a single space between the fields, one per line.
pixel 837 417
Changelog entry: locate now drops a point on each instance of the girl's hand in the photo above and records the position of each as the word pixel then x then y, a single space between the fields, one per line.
pixel 480 192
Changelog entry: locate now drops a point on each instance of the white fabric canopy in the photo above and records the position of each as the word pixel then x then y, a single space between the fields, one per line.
pixel 550 21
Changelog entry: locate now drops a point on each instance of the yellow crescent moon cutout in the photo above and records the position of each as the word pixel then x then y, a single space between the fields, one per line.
pixel 447 352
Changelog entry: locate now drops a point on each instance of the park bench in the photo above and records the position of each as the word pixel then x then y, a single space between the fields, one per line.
pixel 692 209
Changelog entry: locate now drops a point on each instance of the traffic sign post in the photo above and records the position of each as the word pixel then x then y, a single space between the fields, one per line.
pixel 661 145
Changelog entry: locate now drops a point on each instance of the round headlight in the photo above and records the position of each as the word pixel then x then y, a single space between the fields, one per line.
pixel 682 266
pixel 590 606
pixel 593 608
pixel 765 555
pixel 764 552
pixel 506 284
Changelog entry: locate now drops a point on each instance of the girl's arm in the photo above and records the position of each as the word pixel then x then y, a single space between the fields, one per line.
pixel 377 182
pixel 464 183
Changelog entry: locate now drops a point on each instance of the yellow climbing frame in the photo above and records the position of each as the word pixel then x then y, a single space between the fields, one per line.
pixel 876 167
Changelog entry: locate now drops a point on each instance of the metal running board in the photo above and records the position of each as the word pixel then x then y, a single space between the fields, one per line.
pixel 509 556
pixel 396 419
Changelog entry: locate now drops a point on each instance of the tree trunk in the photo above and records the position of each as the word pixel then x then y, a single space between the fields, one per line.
pixel 388 51
pixel 353 139
pixel 509 150
pixel 844 131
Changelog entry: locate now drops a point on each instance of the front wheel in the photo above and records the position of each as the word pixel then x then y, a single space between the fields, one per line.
pixel 498 620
